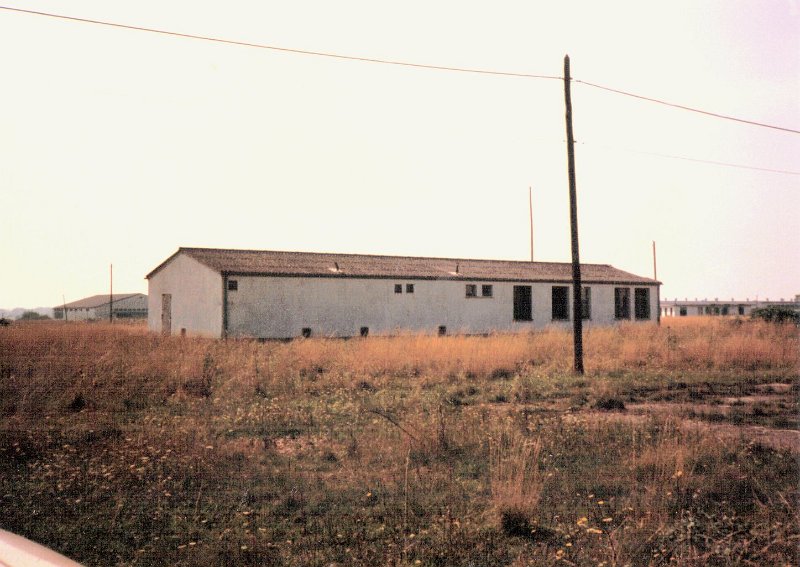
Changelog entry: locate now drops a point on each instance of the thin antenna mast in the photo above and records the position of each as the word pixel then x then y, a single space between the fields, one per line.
pixel 655 271
pixel 658 288
pixel 530 208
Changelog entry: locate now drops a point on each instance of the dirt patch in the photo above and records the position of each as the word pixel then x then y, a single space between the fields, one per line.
pixel 638 413
pixel 775 388
pixel 777 438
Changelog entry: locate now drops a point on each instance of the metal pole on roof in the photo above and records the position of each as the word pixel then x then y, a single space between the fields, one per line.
pixel 577 311
pixel 530 207
pixel 658 288
pixel 111 295
pixel 655 272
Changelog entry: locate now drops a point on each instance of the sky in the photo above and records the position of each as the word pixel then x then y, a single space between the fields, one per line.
pixel 120 146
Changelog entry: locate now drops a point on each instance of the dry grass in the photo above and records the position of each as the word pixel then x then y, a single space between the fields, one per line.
pixel 121 447
pixel 516 479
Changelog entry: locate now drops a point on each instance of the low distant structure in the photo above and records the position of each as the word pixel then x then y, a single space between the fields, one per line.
pixel 268 294
pixel 717 307
pixel 123 306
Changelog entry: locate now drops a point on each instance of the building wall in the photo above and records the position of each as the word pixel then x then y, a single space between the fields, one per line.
pixel 136 304
pixel 673 308
pixel 196 297
pixel 281 307
pixel 81 313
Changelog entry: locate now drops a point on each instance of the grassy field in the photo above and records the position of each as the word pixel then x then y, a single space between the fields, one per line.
pixel 678 447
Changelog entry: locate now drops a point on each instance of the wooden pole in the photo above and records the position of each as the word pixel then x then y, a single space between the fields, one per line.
pixel 577 311
pixel 530 208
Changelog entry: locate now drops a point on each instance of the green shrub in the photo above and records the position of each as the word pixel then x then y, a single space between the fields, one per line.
pixel 776 314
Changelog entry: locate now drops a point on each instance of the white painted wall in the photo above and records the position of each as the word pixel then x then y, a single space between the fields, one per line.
pixel 196 297
pixel 138 301
pixel 280 307
pixel 81 314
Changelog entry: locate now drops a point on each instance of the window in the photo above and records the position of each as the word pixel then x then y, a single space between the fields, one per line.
pixel 622 303
pixel 725 310
pixel 472 290
pixel 442 330
pixel 233 285
pixel 683 312
pixel 560 303
pixel 306 332
pixel 409 288
pixel 586 303
pixel 486 291
pixel 523 305
pixel 642 298
pixel 398 288
pixel 741 310
pixel 364 331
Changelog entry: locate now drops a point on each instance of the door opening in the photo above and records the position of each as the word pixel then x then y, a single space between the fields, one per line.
pixel 166 313
pixel 523 304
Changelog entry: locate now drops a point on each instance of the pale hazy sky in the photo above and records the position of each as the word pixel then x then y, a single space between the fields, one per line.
pixel 119 146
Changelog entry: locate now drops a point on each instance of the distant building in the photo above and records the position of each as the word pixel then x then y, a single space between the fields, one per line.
pixel 267 294
pixel 125 306
pixel 695 308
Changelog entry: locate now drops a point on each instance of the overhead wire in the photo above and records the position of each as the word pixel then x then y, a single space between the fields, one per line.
pixel 683 107
pixel 696 160
pixel 284 49
pixel 392 62
pixel 398 63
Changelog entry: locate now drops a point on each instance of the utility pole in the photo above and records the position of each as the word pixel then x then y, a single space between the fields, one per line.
pixel 577 289
pixel 111 295
pixel 530 207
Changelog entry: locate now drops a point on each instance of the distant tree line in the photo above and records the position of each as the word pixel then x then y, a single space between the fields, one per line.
pixel 32 316
pixel 776 314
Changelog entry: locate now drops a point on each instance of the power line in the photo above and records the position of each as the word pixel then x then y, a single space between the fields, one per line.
pixel 689 108
pixel 396 63
pixel 696 160
pixel 284 49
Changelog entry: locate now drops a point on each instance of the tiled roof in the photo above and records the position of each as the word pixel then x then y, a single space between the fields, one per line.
pixel 96 301
pixel 265 262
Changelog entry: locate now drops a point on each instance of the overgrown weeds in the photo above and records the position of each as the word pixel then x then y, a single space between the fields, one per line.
pixel 121 447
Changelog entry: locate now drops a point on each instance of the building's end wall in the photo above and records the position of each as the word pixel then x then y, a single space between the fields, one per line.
pixel 196 298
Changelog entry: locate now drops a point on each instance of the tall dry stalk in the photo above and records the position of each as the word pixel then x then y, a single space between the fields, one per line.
pixel 515 477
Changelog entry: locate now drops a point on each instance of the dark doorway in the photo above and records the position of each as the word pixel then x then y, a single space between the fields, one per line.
pixel 523 306
pixel 560 303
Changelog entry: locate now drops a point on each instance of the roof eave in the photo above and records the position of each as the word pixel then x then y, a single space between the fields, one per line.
pixel 464 278
pixel 163 264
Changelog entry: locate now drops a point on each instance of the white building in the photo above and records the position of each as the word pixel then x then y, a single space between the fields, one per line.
pixel 265 294
pixel 693 308
pixel 125 306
